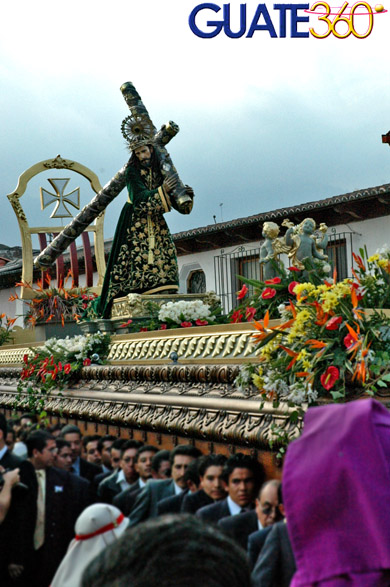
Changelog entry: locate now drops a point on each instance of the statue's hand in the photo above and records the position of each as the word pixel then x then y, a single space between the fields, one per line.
pixel 288 223
pixel 169 183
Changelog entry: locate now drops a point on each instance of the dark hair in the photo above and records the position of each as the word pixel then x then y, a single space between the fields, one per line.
pixel 10 430
pixel 159 457
pixel 241 461
pixel 210 461
pixel 62 443
pixel 280 494
pixel 32 417
pixel 71 429
pixel 134 161
pixel 37 440
pixel 54 428
pixel 145 448
pixel 90 438
pixel 170 551
pixel 118 443
pixel 185 450
pixel 130 444
pixel 103 439
pixel 192 473
pixel 3 425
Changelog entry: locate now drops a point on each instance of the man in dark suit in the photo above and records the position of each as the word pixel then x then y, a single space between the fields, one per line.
pixel 275 566
pixel 210 469
pixel 124 477
pixel 143 466
pixel 242 476
pixel 80 466
pixel 17 529
pixel 55 511
pixel 155 490
pixel 173 504
pixel 266 513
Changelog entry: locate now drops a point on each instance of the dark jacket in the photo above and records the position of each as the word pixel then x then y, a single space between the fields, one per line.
pixel 192 502
pixel 214 512
pixel 171 505
pixel 109 488
pixel 126 499
pixel 240 526
pixel 256 542
pixel 146 504
pixel 275 566
pixel 89 470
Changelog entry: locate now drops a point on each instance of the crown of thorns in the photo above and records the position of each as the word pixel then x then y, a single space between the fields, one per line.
pixel 138 131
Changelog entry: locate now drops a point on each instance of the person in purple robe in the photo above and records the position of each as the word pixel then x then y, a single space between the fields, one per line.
pixel 336 486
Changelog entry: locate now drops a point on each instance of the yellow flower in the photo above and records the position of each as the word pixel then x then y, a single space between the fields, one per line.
pixel 373 258
pixel 258 381
pixel 383 263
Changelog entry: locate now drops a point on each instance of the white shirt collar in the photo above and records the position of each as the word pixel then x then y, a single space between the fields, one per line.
pixel 3 451
pixel 121 480
pixel 141 483
pixel 178 489
pixel 259 524
pixel 233 507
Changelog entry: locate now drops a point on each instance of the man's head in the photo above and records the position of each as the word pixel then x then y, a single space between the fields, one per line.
pixel 127 462
pixel 63 457
pixel 41 449
pixel 172 551
pixel 144 155
pixel 267 503
pixel 210 469
pixel 27 420
pixel 104 446
pixel 115 453
pixel 10 439
pixel 242 476
pixel 3 430
pixel 180 458
pixel 161 465
pixel 91 448
pixel 143 461
pixel 73 435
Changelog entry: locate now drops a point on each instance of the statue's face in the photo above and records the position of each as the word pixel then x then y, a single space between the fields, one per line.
pixel 144 155
pixel 308 226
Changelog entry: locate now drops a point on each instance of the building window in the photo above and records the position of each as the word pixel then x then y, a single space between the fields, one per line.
pixel 196 282
pixel 337 255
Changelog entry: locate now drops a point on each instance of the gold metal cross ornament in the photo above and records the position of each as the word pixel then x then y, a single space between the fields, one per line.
pixel 61 210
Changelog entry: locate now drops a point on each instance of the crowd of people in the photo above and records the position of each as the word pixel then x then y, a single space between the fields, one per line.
pixel 99 510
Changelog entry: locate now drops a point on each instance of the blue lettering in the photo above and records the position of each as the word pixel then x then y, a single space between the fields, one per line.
pixel 218 24
pixel 268 26
pixel 226 18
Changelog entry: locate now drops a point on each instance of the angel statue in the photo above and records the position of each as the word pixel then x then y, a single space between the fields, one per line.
pixel 303 243
pixel 270 249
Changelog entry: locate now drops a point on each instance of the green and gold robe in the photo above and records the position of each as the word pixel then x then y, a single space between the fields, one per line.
pixel 143 256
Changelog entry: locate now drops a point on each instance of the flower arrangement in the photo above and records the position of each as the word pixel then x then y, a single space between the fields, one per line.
pixel 5 329
pixel 54 304
pixel 328 342
pixel 55 364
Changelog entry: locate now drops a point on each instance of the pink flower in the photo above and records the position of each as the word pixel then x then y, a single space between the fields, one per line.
pixel 199 322
pixel 268 293
pixel 163 327
pixel 125 324
pixel 242 293
pixel 349 340
pixel 67 368
pixel 236 317
pixel 250 313
pixel 334 323
pixel 273 281
pixel 291 286
pixel 86 362
pixel 186 324
pixel 329 378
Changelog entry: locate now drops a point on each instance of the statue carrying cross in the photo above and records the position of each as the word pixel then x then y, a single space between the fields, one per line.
pixel 143 255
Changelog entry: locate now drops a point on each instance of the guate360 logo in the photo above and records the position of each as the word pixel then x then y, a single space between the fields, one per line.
pixel 341 22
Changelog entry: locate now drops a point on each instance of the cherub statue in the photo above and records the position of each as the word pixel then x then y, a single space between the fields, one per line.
pixel 302 242
pixel 270 249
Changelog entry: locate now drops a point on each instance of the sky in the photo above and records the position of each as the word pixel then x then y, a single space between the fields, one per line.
pixel 264 122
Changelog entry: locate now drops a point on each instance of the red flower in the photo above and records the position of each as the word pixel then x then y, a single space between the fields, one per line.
pixel 67 368
pixel 329 378
pixel 86 362
pixel 125 324
pixel 250 313
pixel 200 322
pixel 186 324
pixel 273 281
pixel 236 317
pixel 143 329
pixel 59 366
pixel 334 323
pixel 349 340
pixel 268 293
pixel 25 358
pixel 242 293
pixel 293 269
pixel 163 327
pixel 291 286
